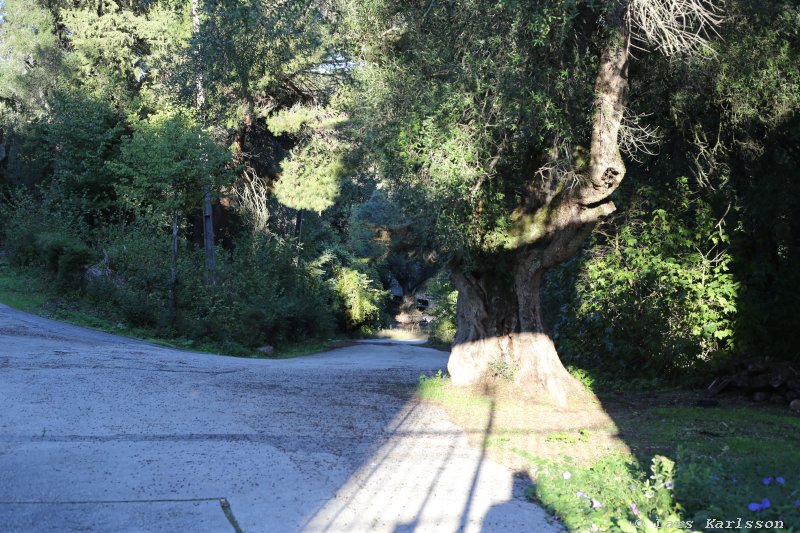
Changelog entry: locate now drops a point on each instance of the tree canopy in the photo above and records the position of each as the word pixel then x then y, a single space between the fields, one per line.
pixel 575 169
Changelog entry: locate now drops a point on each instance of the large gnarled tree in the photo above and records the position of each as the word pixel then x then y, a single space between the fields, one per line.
pixel 498 128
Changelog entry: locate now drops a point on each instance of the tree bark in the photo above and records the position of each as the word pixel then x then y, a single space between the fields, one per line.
pixel 499 316
pixel 298 225
pixel 408 301
pixel 502 334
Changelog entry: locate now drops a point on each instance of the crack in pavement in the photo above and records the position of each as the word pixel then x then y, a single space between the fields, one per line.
pixel 223 503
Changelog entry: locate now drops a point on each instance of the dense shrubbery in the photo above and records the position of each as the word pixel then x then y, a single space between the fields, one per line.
pixel 359 304
pixel 654 296
pixel 40 234
pixel 263 294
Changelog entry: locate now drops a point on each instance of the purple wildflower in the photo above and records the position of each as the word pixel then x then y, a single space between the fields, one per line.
pixel 765 504
pixel 596 504
pixel 767 480
pixel 634 509
pixel 780 481
pixel 755 506
pixel 580 494
pixel 797 503
pixel 668 484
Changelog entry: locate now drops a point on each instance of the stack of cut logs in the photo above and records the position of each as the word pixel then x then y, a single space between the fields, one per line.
pixel 762 379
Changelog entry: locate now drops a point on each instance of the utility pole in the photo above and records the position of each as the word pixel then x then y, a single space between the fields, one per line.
pixel 208 219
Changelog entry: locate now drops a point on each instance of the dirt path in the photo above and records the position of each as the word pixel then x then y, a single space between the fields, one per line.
pixel 103 433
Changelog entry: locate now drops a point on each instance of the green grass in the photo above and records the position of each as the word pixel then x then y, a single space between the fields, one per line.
pixel 672 462
pixel 21 290
pixel 27 290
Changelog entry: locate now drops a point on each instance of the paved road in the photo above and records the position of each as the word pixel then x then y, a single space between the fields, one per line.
pixel 103 433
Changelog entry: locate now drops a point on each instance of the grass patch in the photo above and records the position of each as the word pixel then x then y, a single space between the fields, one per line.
pixel 22 291
pixel 654 458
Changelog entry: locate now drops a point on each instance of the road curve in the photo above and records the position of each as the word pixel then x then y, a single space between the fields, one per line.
pixel 109 434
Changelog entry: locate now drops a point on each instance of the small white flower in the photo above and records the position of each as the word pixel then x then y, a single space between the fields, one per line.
pixel 567 475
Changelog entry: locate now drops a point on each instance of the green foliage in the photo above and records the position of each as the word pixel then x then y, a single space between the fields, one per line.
pixel 262 297
pixel 310 177
pixel 30 62
pixel 94 92
pixel 610 495
pixel 108 44
pixel 656 288
pixel 444 298
pixel 41 230
pixel 58 253
pixel 167 163
pixel 280 300
pixel 433 388
pixel 457 102
pixel 359 302
pixel 292 120
pixel 67 257
pixel 83 134
pixel 256 56
pixel 735 127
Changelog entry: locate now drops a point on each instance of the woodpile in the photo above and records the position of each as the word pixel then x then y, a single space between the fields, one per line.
pixel 761 379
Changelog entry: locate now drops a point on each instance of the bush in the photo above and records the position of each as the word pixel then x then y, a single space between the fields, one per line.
pixel 444 298
pixel 262 296
pixel 21 247
pixel 654 293
pixel 60 254
pixel 45 230
pixel 358 302
pixel 63 256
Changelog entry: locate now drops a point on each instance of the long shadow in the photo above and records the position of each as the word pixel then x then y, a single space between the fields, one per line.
pixel 726 448
pixel 484 445
pixel 425 476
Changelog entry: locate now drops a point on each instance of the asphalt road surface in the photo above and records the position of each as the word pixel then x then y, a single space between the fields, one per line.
pixel 108 434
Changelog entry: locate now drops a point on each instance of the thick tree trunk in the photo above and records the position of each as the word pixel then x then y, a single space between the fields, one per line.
pixel 408 300
pixel 501 333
